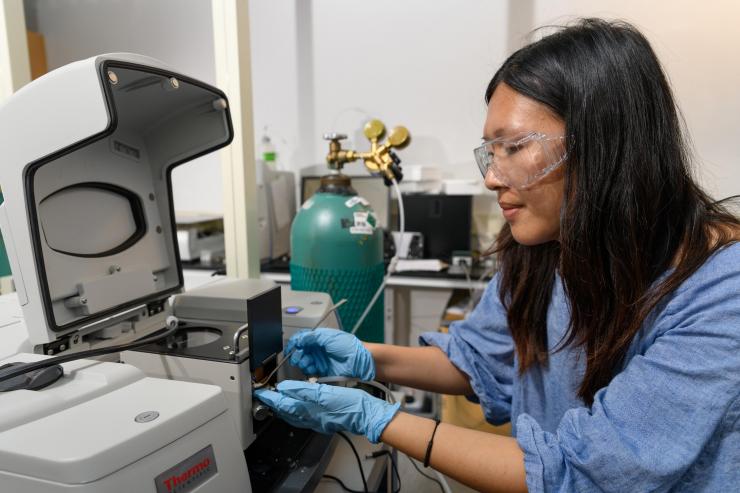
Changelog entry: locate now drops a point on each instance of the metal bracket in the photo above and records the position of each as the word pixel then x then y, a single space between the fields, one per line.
pixel 237 338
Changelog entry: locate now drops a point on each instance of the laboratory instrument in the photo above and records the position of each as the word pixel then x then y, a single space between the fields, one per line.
pixel 89 225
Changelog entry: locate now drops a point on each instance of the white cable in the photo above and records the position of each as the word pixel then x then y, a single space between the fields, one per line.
pixel 372 383
pixel 487 273
pixel 401 213
pixel 471 288
pixel 391 265
pixel 474 292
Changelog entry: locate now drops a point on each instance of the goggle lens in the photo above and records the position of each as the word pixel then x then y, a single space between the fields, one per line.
pixel 520 162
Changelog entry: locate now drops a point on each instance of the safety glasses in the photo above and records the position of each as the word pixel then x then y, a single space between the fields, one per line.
pixel 520 161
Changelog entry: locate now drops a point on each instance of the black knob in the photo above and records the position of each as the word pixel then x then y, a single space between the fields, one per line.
pixel 397 173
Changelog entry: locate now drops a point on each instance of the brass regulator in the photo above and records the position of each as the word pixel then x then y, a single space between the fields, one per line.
pixel 380 159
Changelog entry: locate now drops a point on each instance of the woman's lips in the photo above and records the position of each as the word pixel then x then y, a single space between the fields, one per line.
pixel 509 210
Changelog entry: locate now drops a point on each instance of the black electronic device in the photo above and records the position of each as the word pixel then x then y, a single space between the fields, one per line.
pixel 444 221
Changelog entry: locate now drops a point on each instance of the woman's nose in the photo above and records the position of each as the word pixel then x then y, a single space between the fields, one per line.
pixel 491 182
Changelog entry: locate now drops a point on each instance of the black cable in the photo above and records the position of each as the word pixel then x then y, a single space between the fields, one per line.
pixel 357 456
pixel 413 463
pixel 57 360
pixel 344 486
pixel 393 465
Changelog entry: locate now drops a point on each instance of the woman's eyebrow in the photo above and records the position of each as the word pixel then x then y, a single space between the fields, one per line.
pixel 499 132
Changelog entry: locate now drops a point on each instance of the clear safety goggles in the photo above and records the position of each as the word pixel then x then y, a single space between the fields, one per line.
pixel 520 161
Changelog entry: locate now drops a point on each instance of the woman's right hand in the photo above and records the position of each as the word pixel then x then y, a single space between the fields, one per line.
pixel 330 352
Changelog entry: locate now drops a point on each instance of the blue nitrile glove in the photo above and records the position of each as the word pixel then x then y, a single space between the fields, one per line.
pixel 328 408
pixel 330 352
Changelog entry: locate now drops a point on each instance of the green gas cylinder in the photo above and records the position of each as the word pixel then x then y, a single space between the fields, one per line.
pixel 337 248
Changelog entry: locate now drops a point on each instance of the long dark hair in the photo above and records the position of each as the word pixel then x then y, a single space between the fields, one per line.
pixel 631 209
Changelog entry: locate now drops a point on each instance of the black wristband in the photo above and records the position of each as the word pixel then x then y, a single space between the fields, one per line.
pixel 428 455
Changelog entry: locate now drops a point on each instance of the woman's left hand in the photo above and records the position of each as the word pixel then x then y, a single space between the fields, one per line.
pixel 328 408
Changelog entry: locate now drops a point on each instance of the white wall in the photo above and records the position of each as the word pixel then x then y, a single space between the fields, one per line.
pixel 413 63
pixel 425 64
pixel 178 32
pixel 275 75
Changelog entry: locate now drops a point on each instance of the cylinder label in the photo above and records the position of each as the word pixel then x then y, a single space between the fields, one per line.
pixel 365 223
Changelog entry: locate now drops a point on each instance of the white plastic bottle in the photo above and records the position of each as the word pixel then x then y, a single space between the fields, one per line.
pixel 269 155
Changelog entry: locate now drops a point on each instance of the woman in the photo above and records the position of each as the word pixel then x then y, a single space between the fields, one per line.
pixel 610 337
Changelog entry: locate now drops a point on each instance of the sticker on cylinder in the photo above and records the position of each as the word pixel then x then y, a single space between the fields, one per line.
pixel 365 223
pixel 308 204
pixel 353 201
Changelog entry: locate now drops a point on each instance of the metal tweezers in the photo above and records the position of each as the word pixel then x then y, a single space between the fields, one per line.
pixel 264 381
